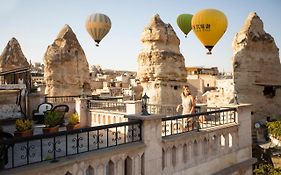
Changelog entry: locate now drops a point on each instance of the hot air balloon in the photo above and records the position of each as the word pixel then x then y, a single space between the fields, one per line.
pixel 209 25
pixel 184 23
pixel 98 25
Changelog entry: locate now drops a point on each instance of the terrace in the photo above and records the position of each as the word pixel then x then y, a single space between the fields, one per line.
pixel 179 143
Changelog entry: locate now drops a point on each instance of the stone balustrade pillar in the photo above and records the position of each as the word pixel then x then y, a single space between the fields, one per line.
pixel 133 107
pixel 245 128
pixel 82 110
pixel 152 138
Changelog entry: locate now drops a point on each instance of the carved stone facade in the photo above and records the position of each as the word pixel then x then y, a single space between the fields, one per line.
pixel 256 67
pixel 66 68
pixel 161 66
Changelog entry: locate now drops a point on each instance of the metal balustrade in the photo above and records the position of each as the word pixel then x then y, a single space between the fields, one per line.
pixel 169 110
pixel 39 148
pixel 194 122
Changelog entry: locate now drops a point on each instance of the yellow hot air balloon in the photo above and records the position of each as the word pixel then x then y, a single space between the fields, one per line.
pixel 98 25
pixel 209 25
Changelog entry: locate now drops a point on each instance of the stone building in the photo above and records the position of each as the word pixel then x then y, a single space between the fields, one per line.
pixel 256 68
pixel 223 94
pixel 161 66
pixel 14 67
pixel 66 70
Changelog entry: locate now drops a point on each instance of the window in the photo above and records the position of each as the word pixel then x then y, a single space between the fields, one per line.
pixel 269 91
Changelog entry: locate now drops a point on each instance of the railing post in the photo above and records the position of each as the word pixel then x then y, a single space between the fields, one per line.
pixel 245 134
pixel 244 120
pixel 82 110
pixel 152 137
pixel 133 107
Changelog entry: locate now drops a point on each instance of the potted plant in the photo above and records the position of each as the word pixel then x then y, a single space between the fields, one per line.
pixel 274 129
pixel 52 120
pixel 73 122
pixel 23 128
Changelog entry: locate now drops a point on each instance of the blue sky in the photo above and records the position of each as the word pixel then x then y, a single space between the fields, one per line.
pixel 36 23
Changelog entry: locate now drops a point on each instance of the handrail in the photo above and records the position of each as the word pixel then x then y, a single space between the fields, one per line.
pixel 42 147
pixel 107 105
pixel 195 122
pixel 198 114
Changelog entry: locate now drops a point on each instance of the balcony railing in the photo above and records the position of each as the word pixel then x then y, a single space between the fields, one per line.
pixel 169 110
pixel 194 122
pixel 39 148
pixel 107 105
pixel 60 99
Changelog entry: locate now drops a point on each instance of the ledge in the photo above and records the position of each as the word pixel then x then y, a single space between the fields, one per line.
pixel 235 105
pixel 145 117
pixel 238 166
pixel 268 84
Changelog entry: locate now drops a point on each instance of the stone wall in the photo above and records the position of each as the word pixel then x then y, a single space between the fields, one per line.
pixel 196 87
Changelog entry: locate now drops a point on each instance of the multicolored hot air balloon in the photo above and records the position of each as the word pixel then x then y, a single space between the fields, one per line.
pixel 209 25
pixel 98 25
pixel 184 23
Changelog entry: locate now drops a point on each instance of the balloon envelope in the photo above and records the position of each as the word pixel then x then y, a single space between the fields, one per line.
pixel 209 25
pixel 184 23
pixel 98 25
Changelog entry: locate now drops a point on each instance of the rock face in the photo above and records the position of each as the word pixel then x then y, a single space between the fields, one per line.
pixel 66 68
pixel 256 67
pixel 161 66
pixel 12 57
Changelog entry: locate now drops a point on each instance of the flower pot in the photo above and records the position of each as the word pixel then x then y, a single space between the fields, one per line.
pixel 51 130
pixel 26 133
pixel 71 127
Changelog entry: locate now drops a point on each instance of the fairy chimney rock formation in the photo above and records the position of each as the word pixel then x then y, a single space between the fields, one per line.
pixel 66 68
pixel 256 68
pixel 12 57
pixel 161 66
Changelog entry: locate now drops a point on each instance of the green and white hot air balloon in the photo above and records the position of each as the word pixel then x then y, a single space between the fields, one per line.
pixel 98 25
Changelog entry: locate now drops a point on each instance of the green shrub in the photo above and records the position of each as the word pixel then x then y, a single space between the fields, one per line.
pixel 52 119
pixel 73 119
pixel 23 125
pixel 267 169
pixel 274 128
